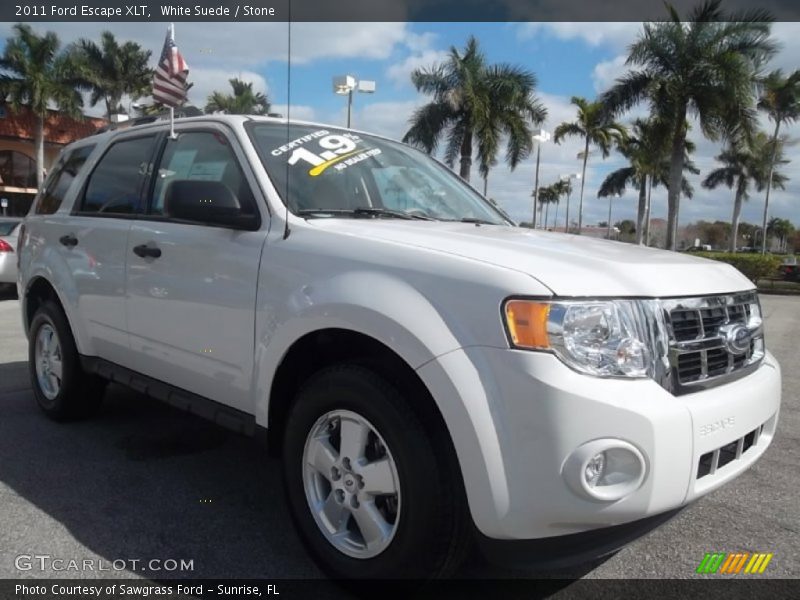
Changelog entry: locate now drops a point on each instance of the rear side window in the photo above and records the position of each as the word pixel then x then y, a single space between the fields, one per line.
pixel 8 227
pixel 115 186
pixel 61 178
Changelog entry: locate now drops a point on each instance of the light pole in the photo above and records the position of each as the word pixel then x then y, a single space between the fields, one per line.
pixel 610 198
pixel 541 137
pixel 568 179
pixel 345 85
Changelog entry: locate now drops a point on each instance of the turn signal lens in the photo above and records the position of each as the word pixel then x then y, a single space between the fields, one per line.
pixel 527 323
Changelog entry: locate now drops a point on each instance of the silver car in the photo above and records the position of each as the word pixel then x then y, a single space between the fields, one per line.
pixel 9 229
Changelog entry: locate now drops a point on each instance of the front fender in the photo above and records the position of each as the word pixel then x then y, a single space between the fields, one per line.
pixel 392 312
pixel 419 331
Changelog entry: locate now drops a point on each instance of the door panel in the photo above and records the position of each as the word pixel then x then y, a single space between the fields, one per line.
pixel 97 267
pixel 191 311
pixel 93 241
pixel 191 287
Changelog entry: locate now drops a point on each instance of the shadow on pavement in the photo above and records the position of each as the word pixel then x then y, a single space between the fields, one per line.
pixel 145 481
pixel 13 378
pixel 8 291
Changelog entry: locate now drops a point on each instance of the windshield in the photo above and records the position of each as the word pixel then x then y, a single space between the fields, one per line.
pixel 334 172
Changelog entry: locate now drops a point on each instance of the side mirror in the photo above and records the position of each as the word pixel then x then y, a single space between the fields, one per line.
pixel 208 203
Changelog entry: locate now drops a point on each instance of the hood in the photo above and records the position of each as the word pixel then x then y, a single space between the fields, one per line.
pixel 570 265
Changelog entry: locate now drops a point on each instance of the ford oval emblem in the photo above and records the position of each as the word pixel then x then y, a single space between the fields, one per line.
pixel 737 338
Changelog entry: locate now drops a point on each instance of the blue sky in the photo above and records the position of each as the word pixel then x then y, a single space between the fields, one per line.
pixel 563 67
pixel 568 59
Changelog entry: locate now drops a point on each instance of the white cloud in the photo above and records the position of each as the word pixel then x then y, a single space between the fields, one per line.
pixel 386 118
pixel 400 73
pixel 298 113
pixel 613 35
pixel 606 72
pixel 422 54
pixel 343 40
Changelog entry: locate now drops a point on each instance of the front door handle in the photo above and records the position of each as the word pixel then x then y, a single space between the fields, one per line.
pixel 69 240
pixel 146 251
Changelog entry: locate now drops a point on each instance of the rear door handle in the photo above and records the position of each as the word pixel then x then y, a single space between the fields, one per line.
pixel 69 240
pixel 146 251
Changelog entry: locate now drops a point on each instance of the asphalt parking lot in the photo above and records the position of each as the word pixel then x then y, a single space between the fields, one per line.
pixel 144 481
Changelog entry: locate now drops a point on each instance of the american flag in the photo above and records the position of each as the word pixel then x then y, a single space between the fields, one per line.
pixel 169 81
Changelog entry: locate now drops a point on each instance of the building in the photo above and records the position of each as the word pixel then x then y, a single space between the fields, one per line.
pixel 18 152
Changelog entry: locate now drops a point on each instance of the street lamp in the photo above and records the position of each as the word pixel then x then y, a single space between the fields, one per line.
pixel 345 85
pixel 568 178
pixel 610 197
pixel 541 137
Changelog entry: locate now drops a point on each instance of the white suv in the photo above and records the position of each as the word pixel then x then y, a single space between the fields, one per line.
pixel 430 374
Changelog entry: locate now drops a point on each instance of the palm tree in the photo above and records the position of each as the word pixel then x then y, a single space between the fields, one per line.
pixel 563 187
pixel 475 104
pixel 244 100
pixel 36 74
pixel 782 229
pixel 705 67
pixel 744 164
pixel 780 99
pixel 596 128
pixel 547 196
pixel 647 151
pixel 113 70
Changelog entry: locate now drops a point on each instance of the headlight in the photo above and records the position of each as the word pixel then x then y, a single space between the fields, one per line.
pixel 607 338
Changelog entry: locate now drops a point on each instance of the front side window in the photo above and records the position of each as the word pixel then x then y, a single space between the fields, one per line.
pixel 200 156
pixel 115 186
pixel 61 178
pixel 327 172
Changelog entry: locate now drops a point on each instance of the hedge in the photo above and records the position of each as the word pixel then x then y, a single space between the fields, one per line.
pixel 752 266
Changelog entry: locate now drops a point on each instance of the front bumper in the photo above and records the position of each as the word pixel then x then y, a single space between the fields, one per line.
pixel 524 413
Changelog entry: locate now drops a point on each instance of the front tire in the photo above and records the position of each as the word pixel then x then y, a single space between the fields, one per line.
pixel 61 388
pixel 373 493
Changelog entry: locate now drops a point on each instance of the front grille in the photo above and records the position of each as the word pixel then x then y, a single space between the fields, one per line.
pixel 711 461
pixel 693 324
pixel 700 330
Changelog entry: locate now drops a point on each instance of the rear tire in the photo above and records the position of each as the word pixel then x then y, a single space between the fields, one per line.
pixel 404 479
pixel 61 387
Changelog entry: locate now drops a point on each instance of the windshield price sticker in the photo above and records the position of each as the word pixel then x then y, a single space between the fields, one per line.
pixel 355 159
pixel 299 141
pixel 335 149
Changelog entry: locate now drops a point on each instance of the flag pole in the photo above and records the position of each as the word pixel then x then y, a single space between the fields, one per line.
pixel 172 108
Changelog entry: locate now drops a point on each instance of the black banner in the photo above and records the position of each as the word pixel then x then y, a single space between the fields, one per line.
pixel 367 10
pixel 734 588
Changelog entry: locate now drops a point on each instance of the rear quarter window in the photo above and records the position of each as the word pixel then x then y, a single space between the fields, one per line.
pixel 61 178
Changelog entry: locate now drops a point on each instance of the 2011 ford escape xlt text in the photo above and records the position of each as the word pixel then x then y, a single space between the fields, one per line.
pixel 430 374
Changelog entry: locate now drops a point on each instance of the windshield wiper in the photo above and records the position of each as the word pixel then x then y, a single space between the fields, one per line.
pixel 387 212
pixel 475 221
pixel 364 211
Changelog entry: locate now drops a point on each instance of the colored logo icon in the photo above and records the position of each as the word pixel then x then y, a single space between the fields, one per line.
pixel 734 563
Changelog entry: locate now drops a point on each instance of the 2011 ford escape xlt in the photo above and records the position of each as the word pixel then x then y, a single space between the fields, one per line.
pixel 429 373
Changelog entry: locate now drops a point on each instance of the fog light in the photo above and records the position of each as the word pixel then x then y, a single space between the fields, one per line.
pixel 594 469
pixel 605 470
